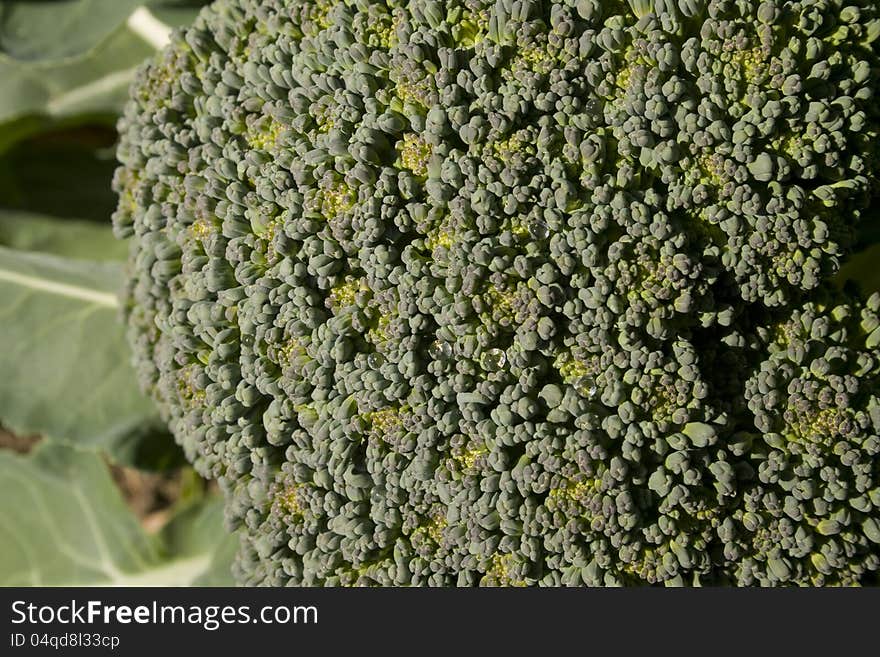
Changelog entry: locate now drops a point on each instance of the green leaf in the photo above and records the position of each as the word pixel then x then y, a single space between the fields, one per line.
pixel 64 362
pixel 72 238
pixel 193 533
pixel 70 527
pixel 90 81
pixel 55 30
pixel 36 94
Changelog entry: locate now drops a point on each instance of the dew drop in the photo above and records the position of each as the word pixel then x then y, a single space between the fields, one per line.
pixel 440 350
pixel 375 361
pixel 493 360
pixel 586 387
pixel 539 230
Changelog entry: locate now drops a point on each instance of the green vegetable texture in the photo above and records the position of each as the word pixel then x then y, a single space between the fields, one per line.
pixel 517 292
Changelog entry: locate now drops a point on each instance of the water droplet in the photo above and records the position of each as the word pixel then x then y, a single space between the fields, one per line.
pixel 539 230
pixel 493 360
pixel 586 387
pixel 375 360
pixel 440 350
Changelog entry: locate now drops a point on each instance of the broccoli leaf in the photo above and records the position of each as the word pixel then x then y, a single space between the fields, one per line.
pixel 195 533
pixel 64 364
pixel 34 94
pixel 55 30
pixel 73 238
pixel 84 74
pixel 69 526
pixel 37 30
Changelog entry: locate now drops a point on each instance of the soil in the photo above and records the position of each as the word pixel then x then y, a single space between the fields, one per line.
pixel 149 495
pixel 18 444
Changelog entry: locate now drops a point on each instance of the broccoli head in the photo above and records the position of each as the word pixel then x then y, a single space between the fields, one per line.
pixel 520 292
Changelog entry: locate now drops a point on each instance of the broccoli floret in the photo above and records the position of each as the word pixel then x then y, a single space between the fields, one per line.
pixel 515 292
pixel 811 513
